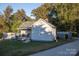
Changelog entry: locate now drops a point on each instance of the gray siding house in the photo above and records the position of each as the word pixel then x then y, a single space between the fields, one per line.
pixel 39 30
pixel 43 31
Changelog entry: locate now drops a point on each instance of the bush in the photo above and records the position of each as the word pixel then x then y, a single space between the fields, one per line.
pixel 74 34
pixel 66 36
pixel 1 34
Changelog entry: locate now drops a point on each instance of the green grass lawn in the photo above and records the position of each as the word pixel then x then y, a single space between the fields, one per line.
pixel 18 48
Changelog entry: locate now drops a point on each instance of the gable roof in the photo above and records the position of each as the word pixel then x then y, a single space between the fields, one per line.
pixel 28 24
pixel 25 25
pixel 46 22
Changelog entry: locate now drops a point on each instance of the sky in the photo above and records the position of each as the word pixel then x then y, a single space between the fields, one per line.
pixel 28 7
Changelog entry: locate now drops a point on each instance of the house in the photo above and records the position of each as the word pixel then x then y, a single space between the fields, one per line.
pixel 25 27
pixel 43 31
pixel 24 30
pixel 9 35
pixel 40 30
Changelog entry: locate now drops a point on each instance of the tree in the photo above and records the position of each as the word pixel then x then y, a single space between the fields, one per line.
pixel 53 16
pixel 9 21
pixel 18 18
pixel 3 26
pixel 76 22
pixel 7 14
pixel 20 15
pixel 42 11
pixel 67 14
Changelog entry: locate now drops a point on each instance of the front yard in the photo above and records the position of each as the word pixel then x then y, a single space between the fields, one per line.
pixel 18 48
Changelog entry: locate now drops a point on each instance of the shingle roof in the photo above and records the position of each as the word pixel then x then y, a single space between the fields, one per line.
pixel 47 22
pixel 26 25
pixel 29 24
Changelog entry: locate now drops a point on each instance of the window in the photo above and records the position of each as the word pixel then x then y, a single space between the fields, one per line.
pixel 42 32
pixel 49 33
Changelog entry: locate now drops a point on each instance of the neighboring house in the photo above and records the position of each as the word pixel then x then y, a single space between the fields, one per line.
pixel 9 35
pixel 40 30
pixel 43 31
pixel 25 30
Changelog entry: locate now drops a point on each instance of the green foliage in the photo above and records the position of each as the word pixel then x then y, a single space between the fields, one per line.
pixel 74 34
pixel 9 21
pixel 41 12
pixel 3 26
pixel 7 16
pixel 67 14
pixel 16 25
pixel 7 12
pixel 18 18
pixel 1 34
pixel 20 15
pixel 76 22
pixel 67 20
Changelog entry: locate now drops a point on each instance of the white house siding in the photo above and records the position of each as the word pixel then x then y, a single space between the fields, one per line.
pixel 41 31
pixel 54 33
pixel 22 32
pixel 9 35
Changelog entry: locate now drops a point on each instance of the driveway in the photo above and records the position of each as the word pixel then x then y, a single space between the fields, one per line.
pixel 69 49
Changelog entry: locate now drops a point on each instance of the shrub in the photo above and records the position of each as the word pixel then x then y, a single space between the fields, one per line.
pixel 74 34
pixel 66 36
pixel 1 34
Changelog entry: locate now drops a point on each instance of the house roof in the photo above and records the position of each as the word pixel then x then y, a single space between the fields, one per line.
pixel 47 22
pixel 26 25
pixel 29 24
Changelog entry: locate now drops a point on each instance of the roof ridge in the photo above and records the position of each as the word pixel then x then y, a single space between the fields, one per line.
pixel 47 22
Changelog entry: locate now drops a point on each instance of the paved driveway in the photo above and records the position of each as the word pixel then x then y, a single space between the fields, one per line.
pixel 69 49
